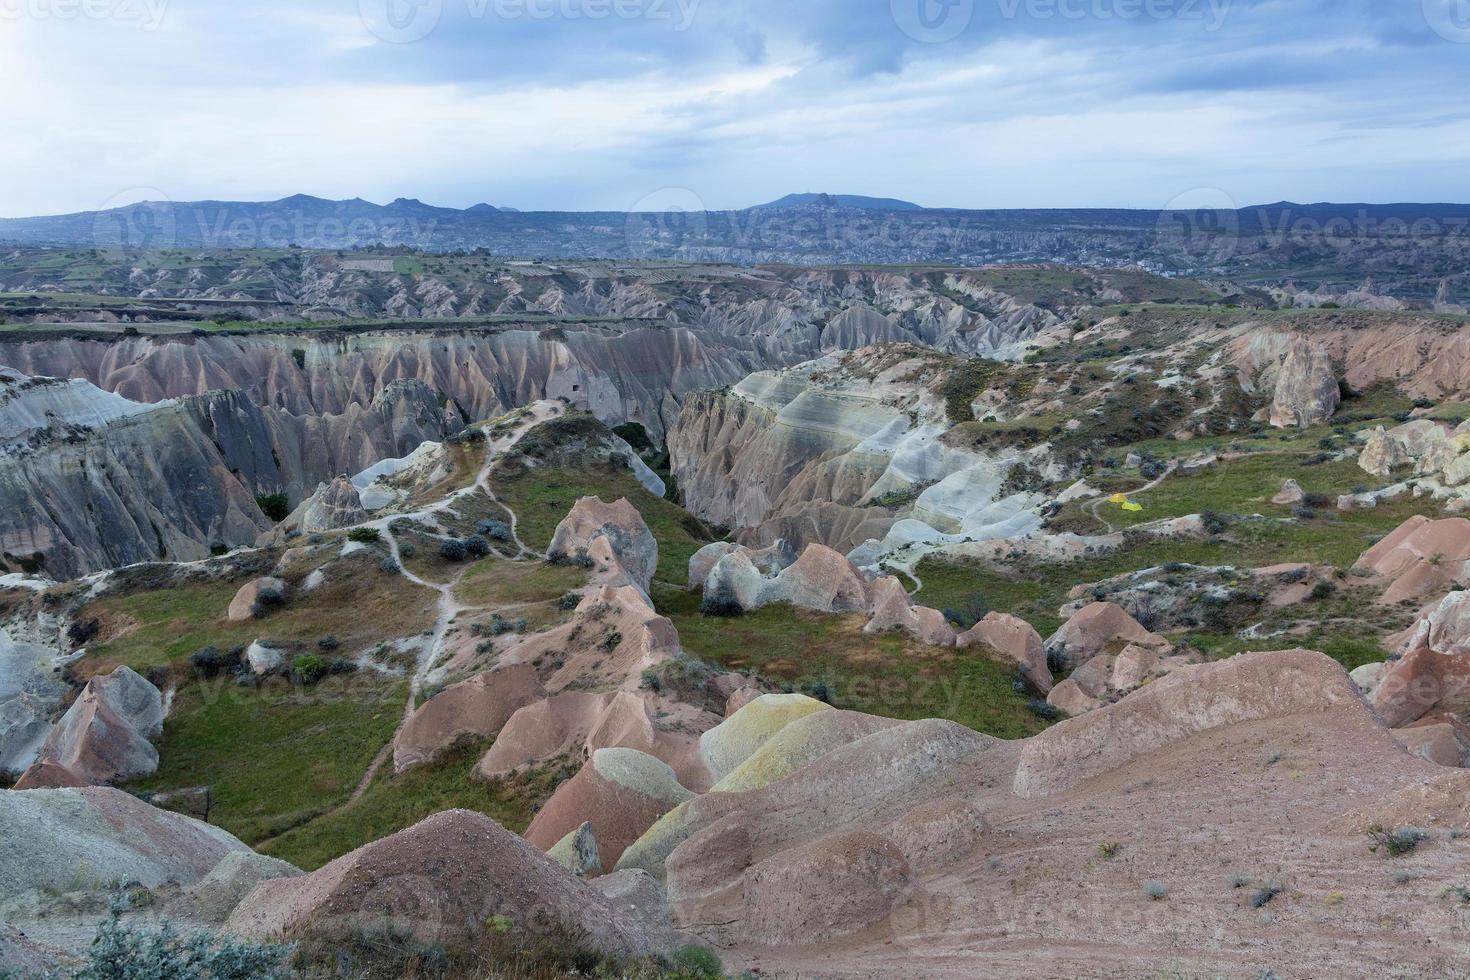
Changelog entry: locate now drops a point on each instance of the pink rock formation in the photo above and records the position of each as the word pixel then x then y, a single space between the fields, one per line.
pixel 104 736
pixel 477 708
pixel 1011 641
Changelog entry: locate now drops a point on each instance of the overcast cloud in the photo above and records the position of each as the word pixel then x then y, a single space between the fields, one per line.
pixel 601 104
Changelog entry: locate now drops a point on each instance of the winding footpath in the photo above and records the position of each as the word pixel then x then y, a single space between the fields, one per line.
pixel 449 607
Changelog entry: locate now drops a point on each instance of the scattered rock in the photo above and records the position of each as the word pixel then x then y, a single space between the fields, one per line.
pixel 243 606
pixel 1013 642
pixel 1290 496
pixel 578 852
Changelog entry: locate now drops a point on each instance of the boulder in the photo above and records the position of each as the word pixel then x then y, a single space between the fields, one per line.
pixel 1382 454
pixel 1368 677
pixel 734 584
pixel 1307 391
pixel 442 878
pixel 1245 688
pixel 822 580
pixel 1291 494
pixel 767 561
pixel 475 709
pixel 578 853
pixel 892 609
pixel 104 736
pixel 49 775
pixel 242 607
pixel 1133 666
pixel 1013 642
pixel 1439 743
pixel 263 658
pixel 1072 699
pixel 1433 672
pixel 1096 628
pixel 620 792
pixel 620 526
pixel 58 839
pixel 835 886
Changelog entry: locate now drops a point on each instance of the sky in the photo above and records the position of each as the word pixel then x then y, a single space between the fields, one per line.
pixel 633 104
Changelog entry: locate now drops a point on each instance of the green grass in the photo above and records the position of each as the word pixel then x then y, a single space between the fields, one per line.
pixel 494 583
pixel 395 802
pixel 276 756
pixel 360 604
pixel 542 497
pixel 888 674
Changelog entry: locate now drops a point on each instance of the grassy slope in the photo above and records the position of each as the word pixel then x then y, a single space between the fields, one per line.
pixel 395 802
pixel 542 497
pixel 360 605
pixel 886 674
pixel 277 756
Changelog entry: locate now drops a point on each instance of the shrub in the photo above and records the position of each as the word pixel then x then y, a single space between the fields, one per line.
pixel 569 602
pixel 1155 890
pixel 267 599
pixel 390 565
pixel 83 631
pixel 407 550
pixel 453 550
pixel 477 545
pixel 211 662
pixel 274 505
pixel 494 530
pixel 1109 849
pixel 328 643
pixel 499 625
pixel 612 641
pixel 1304 514
pixel 1213 523
pixel 1266 893
pixel 125 952
pixel 309 668
pixel 364 535
pixel 720 603
pixel 1323 590
pixel 343 666
pixel 1398 841
pixel 697 963
pixel 1043 710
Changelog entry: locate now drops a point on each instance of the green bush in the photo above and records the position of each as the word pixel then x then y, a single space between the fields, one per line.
pixel 274 505
pixel 364 535
pixel 124 952
pixel 309 668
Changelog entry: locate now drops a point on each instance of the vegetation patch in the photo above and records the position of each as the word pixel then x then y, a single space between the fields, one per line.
pixel 395 802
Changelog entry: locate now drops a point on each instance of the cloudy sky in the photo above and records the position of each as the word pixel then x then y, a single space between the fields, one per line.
pixel 609 104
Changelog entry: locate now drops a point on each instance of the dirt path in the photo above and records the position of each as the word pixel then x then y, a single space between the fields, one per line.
pixel 1095 507
pixel 449 607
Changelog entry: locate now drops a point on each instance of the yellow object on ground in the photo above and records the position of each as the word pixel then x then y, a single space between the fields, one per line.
pixel 1133 508
pixel 1118 498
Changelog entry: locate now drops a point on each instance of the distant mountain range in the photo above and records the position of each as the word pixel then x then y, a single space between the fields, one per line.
pixel 1339 243
pixel 843 201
